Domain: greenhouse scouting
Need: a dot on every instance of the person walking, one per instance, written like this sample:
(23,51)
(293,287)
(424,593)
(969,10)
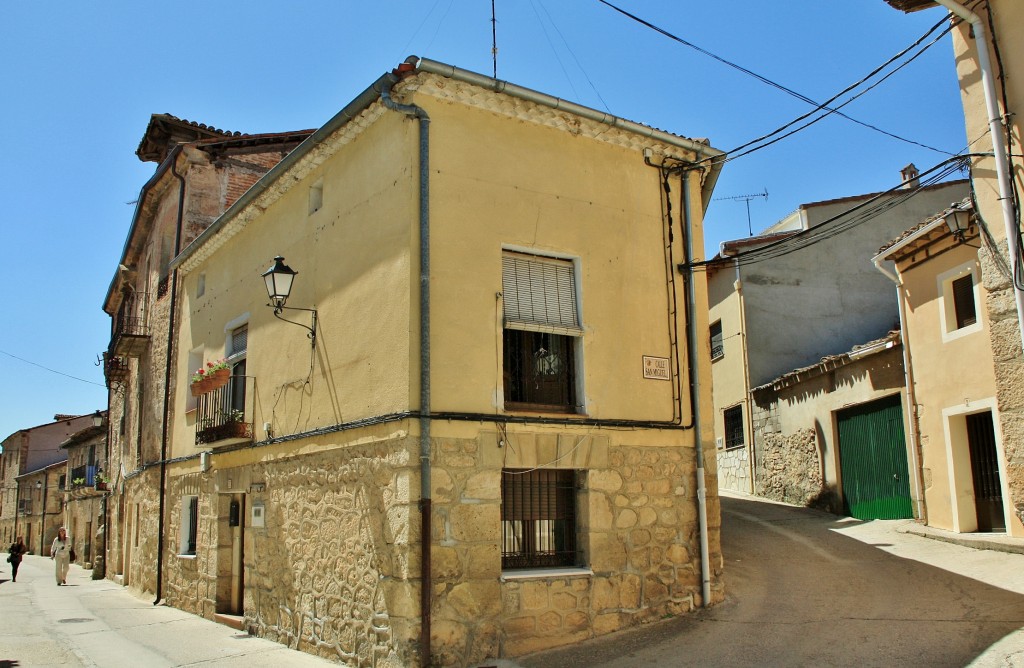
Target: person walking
(60,552)
(15,553)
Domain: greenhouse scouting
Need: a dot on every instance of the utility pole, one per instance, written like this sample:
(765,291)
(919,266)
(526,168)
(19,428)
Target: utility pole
(746,198)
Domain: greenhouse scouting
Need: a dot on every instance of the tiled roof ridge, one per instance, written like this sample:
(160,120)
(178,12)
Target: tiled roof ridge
(963,204)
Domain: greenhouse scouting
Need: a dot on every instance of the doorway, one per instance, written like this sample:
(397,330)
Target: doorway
(873,461)
(988,486)
(230,554)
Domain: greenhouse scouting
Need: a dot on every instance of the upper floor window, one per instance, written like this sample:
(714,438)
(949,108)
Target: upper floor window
(964,311)
(733,419)
(542,332)
(958,301)
(717,349)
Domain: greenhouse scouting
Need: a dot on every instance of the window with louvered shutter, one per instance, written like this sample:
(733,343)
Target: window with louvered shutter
(542,325)
(539,294)
(963,301)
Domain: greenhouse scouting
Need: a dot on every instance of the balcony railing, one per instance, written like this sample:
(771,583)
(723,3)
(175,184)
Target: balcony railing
(115,369)
(225,414)
(83,476)
(130,334)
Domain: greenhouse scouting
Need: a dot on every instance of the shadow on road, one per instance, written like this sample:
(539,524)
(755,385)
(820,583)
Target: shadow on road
(800,593)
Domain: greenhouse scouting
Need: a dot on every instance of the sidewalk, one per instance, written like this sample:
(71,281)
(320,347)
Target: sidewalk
(98,623)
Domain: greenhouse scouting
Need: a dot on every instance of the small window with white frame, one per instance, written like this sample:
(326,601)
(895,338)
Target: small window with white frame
(959,297)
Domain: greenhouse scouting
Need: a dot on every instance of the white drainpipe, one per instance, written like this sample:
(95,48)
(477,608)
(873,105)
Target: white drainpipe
(998,147)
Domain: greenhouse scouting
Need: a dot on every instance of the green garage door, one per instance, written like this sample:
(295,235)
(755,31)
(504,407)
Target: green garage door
(873,457)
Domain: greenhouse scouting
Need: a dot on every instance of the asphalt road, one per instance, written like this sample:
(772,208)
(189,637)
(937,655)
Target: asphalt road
(802,592)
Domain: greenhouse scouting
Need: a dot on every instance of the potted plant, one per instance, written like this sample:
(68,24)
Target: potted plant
(100,482)
(218,372)
(77,482)
(199,382)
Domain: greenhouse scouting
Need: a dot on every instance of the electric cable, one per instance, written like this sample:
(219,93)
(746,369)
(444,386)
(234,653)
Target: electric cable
(45,368)
(767,81)
(861,213)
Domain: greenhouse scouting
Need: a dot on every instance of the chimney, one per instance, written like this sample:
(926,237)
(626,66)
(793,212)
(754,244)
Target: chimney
(909,177)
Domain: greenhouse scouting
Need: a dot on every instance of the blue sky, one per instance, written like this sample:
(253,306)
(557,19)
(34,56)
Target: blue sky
(80,81)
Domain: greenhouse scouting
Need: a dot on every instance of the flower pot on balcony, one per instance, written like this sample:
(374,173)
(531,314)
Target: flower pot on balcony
(219,378)
(101,486)
(197,388)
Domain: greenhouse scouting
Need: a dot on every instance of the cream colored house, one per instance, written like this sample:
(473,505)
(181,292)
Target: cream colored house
(803,290)
(484,384)
(989,58)
(957,442)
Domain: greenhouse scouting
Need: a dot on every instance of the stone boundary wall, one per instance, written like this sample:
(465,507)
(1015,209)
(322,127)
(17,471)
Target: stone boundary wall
(734,470)
(788,467)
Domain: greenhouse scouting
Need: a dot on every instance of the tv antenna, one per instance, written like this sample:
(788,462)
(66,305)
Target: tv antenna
(746,198)
(494,40)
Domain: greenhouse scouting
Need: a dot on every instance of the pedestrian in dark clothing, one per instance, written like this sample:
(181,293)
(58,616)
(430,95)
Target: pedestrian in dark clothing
(16,551)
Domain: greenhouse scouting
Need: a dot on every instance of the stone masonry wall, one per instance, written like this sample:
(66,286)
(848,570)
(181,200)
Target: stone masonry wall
(638,521)
(1009,367)
(335,571)
(331,572)
(734,469)
(142,493)
(788,466)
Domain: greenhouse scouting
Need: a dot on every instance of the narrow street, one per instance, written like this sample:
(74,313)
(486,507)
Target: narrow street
(809,588)
(97,623)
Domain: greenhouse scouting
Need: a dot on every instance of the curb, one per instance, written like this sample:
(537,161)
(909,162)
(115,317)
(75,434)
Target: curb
(978,541)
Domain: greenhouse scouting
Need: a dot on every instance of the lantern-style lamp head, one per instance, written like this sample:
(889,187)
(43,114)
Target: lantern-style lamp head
(958,220)
(279,283)
(97,419)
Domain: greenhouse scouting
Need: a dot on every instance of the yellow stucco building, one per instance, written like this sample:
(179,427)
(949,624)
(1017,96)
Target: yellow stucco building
(490,388)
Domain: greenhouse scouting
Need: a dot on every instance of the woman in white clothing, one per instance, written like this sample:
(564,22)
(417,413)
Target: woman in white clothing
(60,552)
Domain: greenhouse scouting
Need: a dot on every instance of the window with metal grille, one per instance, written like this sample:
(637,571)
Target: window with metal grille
(717,349)
(189,524)
(538,518)
(963,301)
(733,426)
(542,327)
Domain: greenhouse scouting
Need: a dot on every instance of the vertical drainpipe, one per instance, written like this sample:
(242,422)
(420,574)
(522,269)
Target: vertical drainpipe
(425,494)
(691,342)
(995,127)
(167,381)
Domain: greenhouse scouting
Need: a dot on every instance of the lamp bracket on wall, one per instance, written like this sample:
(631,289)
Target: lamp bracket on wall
(311,330)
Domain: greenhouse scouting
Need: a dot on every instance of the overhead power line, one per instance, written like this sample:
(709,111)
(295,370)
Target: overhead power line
(769,82)
(59,373)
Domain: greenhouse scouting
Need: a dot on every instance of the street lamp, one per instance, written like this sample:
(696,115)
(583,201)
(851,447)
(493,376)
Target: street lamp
(279,279)
(97,419)
(958,220)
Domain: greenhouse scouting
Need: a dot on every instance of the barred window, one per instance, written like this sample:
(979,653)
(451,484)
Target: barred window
(733,426)
(538,518)
(189,524)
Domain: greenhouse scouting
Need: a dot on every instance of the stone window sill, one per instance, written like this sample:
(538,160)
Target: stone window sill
(541,573)
(186,556)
